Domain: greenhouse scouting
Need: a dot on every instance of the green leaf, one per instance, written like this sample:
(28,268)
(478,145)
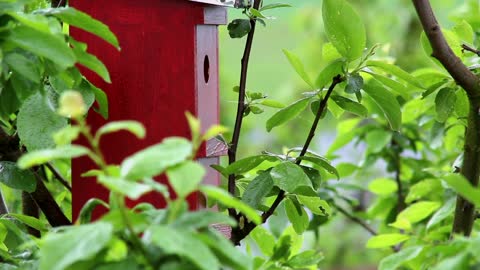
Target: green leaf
(382,186)
(185,244)
(286,114)
(354,83)
(464,31)
(85,215)
(322,162)
(24,66)
(297,215)
(256,109)
(377,140)
(155,159)
(298,66)
(396,260)
(463,187)
(462,104)
(395,71)
(316,205)
(460,261)
(100,97)
(329,72)
(274,6)
(79,243)
(395,86)
(31,222)
(43,156)
(14,177)
(418,211)
(185,177)
(226,199)
(445,103)
(344,28)
(305,259)
(134,127)
(43,44)
(387,103)
(239,28)
(386,240)
(246,164)
(132,190)
(37,123)
(423,188)
(288,176)
(272,103)
(214,131)
(202,219)
(225,251)
(264,239)
(90,61)
(350,105)
(83,21)
(257,189)
(66,135)
(444,212)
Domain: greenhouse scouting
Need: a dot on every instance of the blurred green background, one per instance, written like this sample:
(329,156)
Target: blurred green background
(392,24)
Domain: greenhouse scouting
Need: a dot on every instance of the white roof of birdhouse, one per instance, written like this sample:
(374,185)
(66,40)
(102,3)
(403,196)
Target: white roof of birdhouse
(229,3)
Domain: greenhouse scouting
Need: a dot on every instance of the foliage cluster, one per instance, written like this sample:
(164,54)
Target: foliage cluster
(420,123)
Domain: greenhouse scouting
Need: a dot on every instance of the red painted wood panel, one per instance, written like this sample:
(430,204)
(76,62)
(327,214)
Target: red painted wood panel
(153,78)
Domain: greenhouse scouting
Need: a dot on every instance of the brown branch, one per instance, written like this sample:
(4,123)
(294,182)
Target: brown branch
(232,150)
(240,233)
(48,205)
(442,51)
(465,47)
(30,208)
(464,211)
(58,176)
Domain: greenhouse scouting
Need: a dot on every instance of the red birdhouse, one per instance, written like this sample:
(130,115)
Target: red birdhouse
(168,65)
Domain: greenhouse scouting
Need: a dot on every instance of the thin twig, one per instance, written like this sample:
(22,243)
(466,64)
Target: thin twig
(321,109)
(240,233)
(465,47)
(232,150)
(364,225)
(58,176)
(356,220)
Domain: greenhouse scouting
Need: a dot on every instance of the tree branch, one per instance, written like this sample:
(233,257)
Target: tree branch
(48,205)
(465,47)
(321,109)
(465,211)
(233,146)
(356,220)
(240,233)
(442,51)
